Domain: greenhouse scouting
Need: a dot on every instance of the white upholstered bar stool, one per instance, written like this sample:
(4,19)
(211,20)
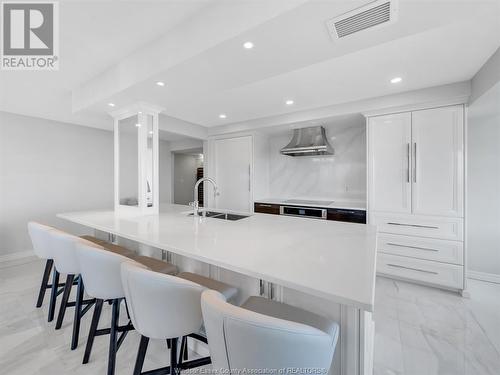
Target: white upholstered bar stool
(40,238)
(266,335)
(63,247)
(100,270)
(167,308)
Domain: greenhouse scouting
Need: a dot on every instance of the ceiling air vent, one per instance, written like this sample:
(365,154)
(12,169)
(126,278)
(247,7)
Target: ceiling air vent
(375,14)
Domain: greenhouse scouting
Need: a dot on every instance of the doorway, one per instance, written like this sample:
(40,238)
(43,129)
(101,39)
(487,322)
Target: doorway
(187,169)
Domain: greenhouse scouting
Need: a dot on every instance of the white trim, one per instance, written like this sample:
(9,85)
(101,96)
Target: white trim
(17,255)
(447,102)
(484,276)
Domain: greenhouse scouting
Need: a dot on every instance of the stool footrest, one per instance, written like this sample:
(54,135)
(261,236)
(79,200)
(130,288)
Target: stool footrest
(87,308)
(107,331)
(84,302)
(195,363)
(183,366)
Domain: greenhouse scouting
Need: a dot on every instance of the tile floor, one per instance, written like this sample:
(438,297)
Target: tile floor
(419,331)
(426,331)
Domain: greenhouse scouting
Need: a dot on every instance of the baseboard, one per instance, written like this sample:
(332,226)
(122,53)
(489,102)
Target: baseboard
(17,255)
(484,276)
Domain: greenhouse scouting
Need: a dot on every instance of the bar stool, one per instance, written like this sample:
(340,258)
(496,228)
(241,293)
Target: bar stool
(100,270)
(64,253)
(264,334)
(39,234)
(167,308)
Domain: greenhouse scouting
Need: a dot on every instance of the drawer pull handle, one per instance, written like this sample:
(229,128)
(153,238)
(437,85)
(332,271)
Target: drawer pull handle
(411,268)
(414,225)
(264,205)
(411,247)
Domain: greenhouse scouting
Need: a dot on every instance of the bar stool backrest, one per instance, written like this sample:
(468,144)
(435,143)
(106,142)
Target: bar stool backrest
(242,339)
(161,306)
(100,270)
(39,234)
(64,251)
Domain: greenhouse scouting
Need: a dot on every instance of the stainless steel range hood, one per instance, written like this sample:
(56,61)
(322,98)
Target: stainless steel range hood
(308,142)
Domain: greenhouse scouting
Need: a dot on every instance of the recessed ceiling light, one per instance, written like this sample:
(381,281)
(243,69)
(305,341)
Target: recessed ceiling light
(111,104)
(138,125)
(160,83)
(396,80)
(248,45)
(289,102)
(151,132)
(222,115)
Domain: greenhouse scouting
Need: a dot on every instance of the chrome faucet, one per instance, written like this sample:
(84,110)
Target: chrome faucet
(195,203)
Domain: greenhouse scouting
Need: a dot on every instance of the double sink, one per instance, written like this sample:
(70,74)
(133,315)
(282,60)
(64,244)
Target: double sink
(220,215)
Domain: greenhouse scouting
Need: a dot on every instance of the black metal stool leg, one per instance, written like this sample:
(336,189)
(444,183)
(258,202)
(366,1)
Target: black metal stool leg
(183,356)
(93,329)
(64,300)
(45,282)
(53,294)
(115,315)
(174,368)
(78,314)
(141,355)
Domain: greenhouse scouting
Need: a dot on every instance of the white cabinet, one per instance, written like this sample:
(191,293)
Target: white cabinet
(416,194)
(389,142)
(416,162)
(437,136)
(232,170)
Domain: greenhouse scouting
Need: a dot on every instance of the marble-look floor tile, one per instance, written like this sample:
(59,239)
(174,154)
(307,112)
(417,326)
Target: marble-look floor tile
(440,332)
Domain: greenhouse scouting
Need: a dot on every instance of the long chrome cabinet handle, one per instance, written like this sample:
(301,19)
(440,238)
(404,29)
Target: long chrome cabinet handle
(413,225)
(411,247)
(412,269)
(415,162)
(408,162)
(263,205)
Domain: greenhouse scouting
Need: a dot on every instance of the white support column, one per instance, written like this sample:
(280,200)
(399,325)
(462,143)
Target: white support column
(136,130)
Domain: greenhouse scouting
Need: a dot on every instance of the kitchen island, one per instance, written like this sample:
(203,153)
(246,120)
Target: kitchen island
(323,266)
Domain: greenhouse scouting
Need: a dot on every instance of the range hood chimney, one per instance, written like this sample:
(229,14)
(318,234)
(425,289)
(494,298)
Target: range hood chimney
(308,142)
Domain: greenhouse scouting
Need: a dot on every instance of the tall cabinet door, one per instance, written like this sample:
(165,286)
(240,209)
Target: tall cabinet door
(389,163)
(438,161)
(233,167)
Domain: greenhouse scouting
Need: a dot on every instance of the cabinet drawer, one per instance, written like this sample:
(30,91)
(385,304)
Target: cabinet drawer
(446,228)
(267,208)
(422,248)
(441,274)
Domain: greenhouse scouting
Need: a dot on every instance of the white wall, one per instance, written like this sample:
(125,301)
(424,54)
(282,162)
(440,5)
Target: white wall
(484,183)
(185,166)
(339,177)
(48,167)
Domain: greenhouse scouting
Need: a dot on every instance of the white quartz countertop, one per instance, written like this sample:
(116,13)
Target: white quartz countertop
(343,204)
(328,259)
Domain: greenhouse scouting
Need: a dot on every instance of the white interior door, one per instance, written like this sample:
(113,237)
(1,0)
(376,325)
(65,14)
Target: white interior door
(438,161)
(233,168)
(389,163)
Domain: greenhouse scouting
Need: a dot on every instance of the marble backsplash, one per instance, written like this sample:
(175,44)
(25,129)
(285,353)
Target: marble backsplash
(338,177)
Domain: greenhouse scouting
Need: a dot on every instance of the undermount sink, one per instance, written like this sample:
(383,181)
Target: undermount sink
(220,215)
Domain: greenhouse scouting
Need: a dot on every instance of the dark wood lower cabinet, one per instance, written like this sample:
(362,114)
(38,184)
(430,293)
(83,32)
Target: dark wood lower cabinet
(265,208)
(351,216)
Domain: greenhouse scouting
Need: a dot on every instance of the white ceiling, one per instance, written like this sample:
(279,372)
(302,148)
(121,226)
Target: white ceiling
(432,43)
